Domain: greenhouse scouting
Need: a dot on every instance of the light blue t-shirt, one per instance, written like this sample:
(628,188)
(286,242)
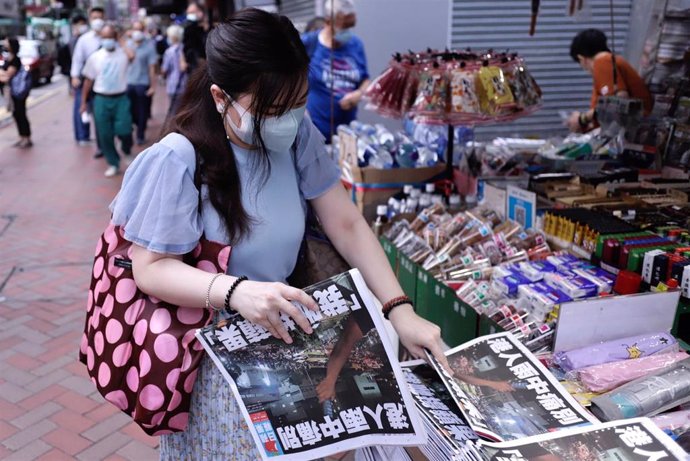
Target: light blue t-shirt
(158,203)
(145,56)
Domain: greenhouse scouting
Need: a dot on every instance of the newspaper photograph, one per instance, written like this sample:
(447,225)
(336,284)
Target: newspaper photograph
(626,440)
(435,402)
(450,438)
(505,393)
(337,389)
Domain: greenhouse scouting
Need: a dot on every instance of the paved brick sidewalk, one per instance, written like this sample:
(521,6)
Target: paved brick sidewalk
(53,205)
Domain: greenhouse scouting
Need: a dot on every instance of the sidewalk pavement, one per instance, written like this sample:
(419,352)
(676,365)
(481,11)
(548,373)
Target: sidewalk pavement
(53,206)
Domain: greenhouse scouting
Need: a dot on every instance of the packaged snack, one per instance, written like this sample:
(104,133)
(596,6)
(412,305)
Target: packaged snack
(432,92)
(463,91)
(495,96)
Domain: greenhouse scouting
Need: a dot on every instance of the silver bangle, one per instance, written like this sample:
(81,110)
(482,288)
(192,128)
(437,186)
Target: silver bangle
(208,293)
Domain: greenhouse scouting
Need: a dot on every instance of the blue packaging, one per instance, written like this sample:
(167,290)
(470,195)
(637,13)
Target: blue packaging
(575,287)
(508,286)
(534,270)
(602,279)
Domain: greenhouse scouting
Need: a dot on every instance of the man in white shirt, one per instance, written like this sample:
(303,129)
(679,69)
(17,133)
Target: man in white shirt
(106,73)
(85,46)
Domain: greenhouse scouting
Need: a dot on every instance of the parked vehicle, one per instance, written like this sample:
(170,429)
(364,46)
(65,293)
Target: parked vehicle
(38,58)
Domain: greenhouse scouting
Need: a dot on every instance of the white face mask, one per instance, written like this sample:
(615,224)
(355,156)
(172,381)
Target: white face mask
(97,24)
(137,36)
(82,29)
(278,133)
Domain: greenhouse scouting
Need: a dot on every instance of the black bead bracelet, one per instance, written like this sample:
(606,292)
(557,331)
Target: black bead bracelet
(232,290)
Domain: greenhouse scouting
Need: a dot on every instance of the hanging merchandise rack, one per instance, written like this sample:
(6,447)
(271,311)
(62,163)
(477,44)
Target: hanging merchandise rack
(455,88)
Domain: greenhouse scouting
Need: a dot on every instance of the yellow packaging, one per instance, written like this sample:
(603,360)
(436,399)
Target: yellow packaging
(493,90)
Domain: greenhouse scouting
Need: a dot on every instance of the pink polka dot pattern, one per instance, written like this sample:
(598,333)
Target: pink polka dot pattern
(113,331)
(99,344)
(103,374)
(207,266)
(108,305)
(133,379)
(83,344)
(189,315)
(122,354)
(172,378)
(141,352)
(89,302)
(98,267)
(224,257)
(134,311)
(175,401)
(151,397)
(117,398)
(189,382)
(89,358)
(144,364)
(125,291)
(166,348)
(179,421)
(140,332)
(160,321)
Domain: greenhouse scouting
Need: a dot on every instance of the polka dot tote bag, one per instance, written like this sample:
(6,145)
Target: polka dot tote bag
(141,352)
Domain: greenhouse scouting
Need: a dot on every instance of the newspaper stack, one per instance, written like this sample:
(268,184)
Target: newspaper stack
(501,404)
(338,389)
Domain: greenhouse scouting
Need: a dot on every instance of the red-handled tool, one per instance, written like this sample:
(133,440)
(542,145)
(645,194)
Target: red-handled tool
(535,12)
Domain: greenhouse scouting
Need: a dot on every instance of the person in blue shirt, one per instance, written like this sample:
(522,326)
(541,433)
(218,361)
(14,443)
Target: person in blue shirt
(141,77)
(348,77)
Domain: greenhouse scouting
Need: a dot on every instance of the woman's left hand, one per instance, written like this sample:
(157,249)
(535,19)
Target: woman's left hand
(417,334)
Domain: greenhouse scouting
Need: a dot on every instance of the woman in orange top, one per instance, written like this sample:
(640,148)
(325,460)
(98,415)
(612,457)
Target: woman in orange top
(589,49)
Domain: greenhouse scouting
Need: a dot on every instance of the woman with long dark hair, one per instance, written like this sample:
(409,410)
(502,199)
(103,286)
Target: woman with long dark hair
(257,157)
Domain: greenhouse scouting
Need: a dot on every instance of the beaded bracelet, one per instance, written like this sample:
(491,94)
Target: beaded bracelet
(232,290)
(393,303)
(208,293)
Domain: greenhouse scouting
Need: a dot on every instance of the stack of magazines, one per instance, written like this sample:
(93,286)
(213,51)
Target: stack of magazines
(340,388)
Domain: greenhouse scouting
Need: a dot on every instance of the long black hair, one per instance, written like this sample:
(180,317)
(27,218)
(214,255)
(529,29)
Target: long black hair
(252,52)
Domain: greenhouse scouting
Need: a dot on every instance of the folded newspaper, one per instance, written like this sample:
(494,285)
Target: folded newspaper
(500,391)
(505,393)
(337,389)
(626,440)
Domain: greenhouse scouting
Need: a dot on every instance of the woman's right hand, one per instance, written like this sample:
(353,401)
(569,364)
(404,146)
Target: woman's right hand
(263,302)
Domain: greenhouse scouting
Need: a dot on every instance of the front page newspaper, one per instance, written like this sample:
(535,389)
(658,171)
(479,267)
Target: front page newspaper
(629,440)
(505,393)
(337,389)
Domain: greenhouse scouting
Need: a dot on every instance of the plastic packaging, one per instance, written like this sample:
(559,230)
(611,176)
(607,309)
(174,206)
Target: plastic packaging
(675,422)
(494,93)
(646,396)
(611,351)
(604,377)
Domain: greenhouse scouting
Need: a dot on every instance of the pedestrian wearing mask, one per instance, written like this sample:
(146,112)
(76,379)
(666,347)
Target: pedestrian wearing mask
(11,70)
(106,73)
(350,76)
(141,77)
(175,75)
(194,41)
(241,131)
(87,44)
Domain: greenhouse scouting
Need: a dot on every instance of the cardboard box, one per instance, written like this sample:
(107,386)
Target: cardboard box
(370,187)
